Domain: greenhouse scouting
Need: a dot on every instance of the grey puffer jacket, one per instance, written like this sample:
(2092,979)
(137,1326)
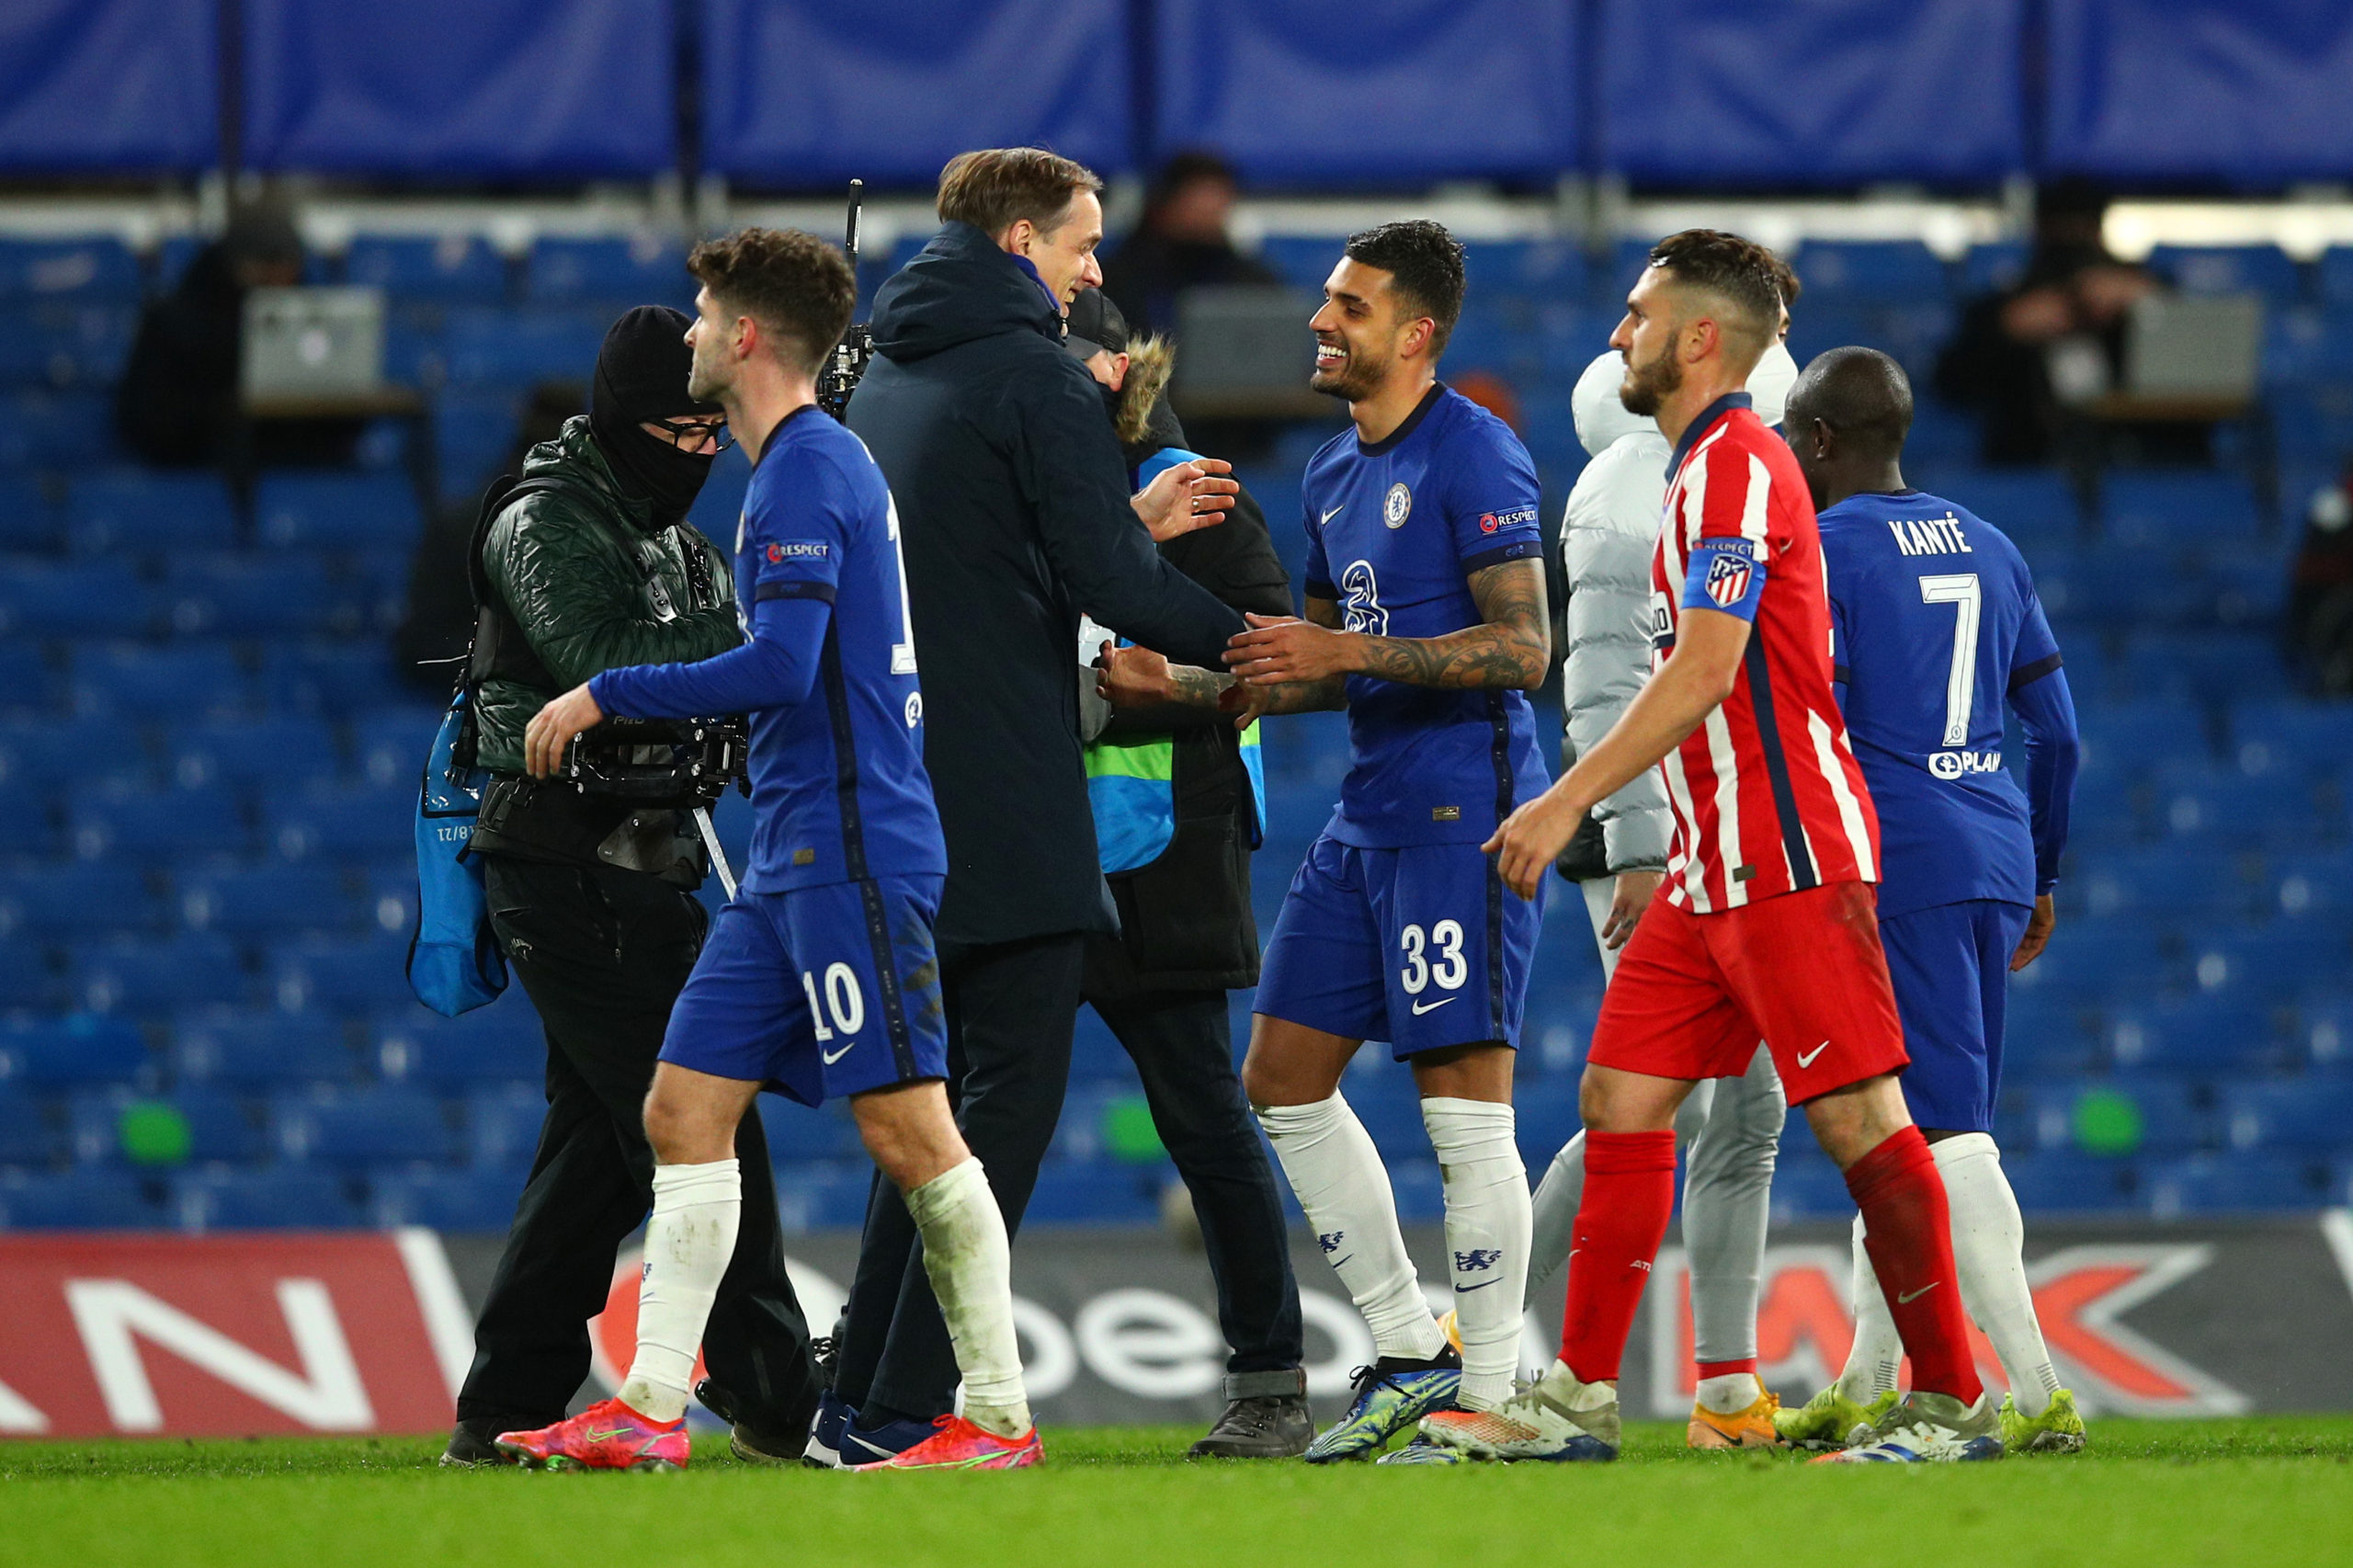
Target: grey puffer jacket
(1606,540)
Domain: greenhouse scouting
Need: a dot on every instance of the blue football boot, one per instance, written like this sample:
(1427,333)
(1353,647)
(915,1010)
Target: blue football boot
(827,1431)
(862,1444)
(1391,1395)
(1928,1428)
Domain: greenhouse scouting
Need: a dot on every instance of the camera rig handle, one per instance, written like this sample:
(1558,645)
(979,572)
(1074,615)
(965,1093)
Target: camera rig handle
(847,362)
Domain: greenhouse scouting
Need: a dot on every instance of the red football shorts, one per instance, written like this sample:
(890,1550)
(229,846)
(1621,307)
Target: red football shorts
(1804,972)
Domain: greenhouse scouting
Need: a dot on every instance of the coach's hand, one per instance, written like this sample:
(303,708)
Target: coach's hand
(1280,648)
(553,727)
(2038,934)
(1246,704)
(1132,677)
(1532,837)
(1628,899)
(1185,496)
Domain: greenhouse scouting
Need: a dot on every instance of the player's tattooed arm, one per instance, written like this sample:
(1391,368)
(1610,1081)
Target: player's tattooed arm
(1148,693)
(1248,698)
(1511,647)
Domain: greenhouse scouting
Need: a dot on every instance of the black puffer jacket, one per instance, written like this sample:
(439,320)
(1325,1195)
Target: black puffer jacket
(1012,501)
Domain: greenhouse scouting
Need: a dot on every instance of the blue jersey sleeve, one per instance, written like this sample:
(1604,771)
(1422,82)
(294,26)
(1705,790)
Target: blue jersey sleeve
(795,529)
(2046,710)
(1316,578)
(1725,574)
(1492,498)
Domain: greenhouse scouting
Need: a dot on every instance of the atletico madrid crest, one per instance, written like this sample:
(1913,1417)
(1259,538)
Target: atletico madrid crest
(1728,580)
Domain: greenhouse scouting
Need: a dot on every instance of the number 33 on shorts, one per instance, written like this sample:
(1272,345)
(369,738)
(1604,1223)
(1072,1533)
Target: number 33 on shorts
(842,1001)
(1435,956)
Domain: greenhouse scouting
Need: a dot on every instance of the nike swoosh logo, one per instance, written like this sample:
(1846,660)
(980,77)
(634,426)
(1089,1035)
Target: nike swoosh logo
(1466,1290)
(1421,1008)
(604,1436)
(1342,1263)
(833,1056)
(1805,1058)
(1333,512)
(1905,1300)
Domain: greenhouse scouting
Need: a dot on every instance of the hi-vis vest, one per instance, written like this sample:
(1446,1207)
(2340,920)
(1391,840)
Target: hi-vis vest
(1131,781)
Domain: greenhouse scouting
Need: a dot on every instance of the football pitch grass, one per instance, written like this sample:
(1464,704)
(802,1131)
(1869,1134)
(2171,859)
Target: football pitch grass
(2267,1491)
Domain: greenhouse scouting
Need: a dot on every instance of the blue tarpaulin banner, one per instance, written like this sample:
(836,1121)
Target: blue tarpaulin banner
(1380,92)
(460,88)
(2254,91)
(124,85)
(1811,92)
(798,92)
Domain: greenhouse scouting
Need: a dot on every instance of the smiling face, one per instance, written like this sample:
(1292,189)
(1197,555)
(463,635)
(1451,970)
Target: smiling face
(1065,256)
(1361,332)
(1650,338)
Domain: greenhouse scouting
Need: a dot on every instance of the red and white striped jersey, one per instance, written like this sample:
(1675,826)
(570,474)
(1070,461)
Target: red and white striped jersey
(1767,795)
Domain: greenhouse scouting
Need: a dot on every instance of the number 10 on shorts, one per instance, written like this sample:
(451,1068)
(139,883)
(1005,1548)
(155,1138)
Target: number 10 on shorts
(843,1000)
(1449,969)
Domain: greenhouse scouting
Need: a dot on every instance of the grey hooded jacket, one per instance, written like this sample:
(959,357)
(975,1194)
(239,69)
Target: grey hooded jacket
(1606,542)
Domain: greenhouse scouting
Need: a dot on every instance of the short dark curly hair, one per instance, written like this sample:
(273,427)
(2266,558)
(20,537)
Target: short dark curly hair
(1424,267)
(1739,271)
(799,288)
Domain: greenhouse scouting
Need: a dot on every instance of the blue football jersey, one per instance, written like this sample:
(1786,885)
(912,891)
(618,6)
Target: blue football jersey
(1394,531)
(1935,623)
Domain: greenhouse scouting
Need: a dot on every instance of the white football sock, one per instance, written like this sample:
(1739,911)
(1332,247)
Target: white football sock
(1487,1236)
(1878,1352)
(970,1262)
(1342,1185)
(689,1243)
(1988,1239)
(1731,1393)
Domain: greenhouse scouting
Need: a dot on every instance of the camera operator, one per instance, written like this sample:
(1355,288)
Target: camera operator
(1176,797)
(592,897)
(1014,514)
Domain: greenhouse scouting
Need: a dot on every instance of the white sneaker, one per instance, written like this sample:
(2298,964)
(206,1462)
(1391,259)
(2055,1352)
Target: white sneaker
(1547,1420)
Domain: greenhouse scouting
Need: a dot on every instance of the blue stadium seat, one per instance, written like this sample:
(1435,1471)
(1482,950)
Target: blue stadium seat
(65,902)
(261,1050)
(2306,351)
(2033,506)
(146,978)
(2235,1184)
(325,819)
(720,501)
(2327,1031)
(27,520)
(28,825)
(2172,1117)
(450,268)
(352,975)
(2336,276)
(2296,1115)
(1387,1103)
(2045,1035)
(795,1132)
(329,678)
(2170,880)
(2230,269)
(1095,1193)
(523,348)
(2129,955)
(1303,261)
(2205,666)
(144,827)
(503,1124)
(366,1127)
(1544,1117)
(69,752)
(498,1044)
(145,680)
(64,343)
(80,1048)
(823,1195)
(390,745)
(649,269)
(82,598)
(252,752)
(134,511)
(258,596)
(90,267)
(337,509)
(2062,1181)
(2317,736)
(2177,509)
(1806,1185)
(2141,734)
(2218,804)
(1881,271)
(2313,882)
(27,978)
(2207,1037)
(29,1134)
(2122,587)
(222,1126)
(2284,960)
(467,1202)
(55,427)
(1545,269)
(277,1197)
(78,1200)
(270,898)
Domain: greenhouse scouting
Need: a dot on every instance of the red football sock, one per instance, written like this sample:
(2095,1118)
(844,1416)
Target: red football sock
(1907,1231)
(1628,1193)
(1726,1368)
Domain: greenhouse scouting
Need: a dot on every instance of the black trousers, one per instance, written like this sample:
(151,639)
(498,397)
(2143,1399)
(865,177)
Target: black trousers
(603,953)
(1182,1042)
(1011,1008)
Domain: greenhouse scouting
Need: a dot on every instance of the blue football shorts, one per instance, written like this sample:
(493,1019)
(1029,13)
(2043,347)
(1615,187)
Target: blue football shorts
(818,993)
(1423,946)
(1950,965)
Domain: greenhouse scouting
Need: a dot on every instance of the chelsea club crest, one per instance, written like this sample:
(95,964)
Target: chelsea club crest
(1399,503)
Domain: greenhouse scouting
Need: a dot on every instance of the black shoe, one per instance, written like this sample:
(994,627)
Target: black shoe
(472,1442)
(755,1442)
(1266,1419)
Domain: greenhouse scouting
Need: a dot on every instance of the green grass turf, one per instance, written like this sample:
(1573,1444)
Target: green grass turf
(2269,1490)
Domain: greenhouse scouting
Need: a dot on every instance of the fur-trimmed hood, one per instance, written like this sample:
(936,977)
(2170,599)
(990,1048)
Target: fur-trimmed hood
(1151,361)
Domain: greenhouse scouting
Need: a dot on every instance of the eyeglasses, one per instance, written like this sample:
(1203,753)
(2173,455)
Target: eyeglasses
(688,434)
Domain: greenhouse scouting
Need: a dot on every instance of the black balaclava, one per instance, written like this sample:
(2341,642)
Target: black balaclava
(642,376)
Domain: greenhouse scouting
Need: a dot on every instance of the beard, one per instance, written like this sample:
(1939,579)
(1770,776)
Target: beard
(703,383)
(1648,386)
(1354,382)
